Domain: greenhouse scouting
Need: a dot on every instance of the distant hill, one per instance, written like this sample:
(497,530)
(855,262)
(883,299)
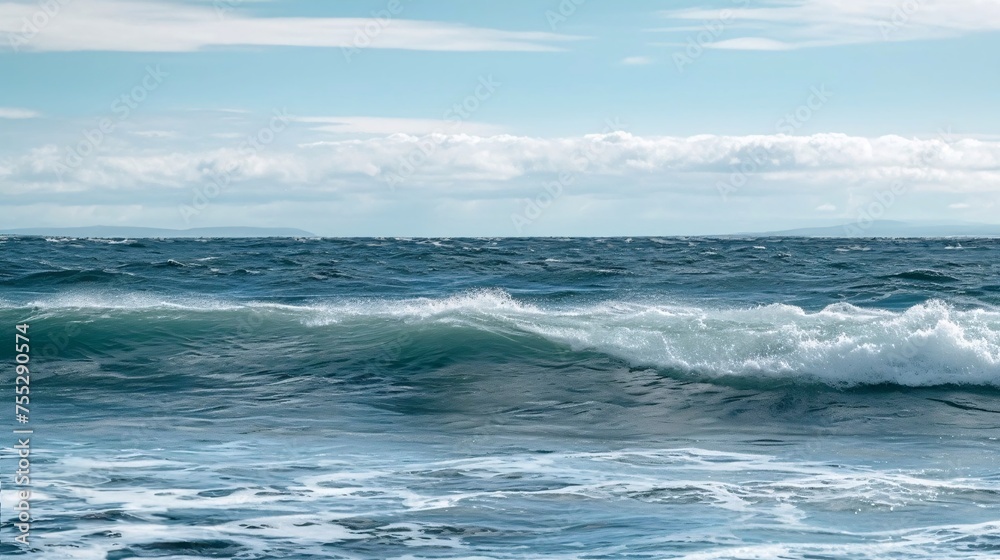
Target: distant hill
(134,232)
(888,228)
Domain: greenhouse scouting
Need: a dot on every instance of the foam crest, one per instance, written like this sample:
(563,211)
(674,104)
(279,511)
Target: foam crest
(842,345)
(116,301)
(928,344)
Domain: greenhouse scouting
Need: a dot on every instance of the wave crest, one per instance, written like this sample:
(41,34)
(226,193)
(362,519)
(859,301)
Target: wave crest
(842,345)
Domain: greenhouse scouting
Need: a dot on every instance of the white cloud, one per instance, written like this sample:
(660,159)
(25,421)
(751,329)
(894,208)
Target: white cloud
(450,184)
(158,26)
(793,24)
(959,206)
(636,60)
(617,163)
(386,126)
(16,113)
(753,44)
(155,133)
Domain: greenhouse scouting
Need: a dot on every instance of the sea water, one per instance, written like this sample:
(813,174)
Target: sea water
(506,398)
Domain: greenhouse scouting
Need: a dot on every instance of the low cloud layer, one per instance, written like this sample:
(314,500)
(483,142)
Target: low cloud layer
(464,163)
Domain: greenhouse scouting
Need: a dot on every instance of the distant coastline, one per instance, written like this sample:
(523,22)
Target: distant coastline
(143,232)
(889,228)
(874,229)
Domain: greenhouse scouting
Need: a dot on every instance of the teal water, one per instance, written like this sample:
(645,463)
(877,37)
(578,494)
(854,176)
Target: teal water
(508,398)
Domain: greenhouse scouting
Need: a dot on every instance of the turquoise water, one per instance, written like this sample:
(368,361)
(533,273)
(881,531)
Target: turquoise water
(508,398)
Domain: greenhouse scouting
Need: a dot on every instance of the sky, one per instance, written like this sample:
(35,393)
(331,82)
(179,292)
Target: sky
(457,118)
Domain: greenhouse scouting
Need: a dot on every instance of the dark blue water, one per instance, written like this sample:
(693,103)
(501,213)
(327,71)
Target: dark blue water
(508,398)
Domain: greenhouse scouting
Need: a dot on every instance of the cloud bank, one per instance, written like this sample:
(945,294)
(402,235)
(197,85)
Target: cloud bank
(458,183)
(466,163)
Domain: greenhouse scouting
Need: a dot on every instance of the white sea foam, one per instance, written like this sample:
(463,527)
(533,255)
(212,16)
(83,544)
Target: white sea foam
(435,503)
(110,241)
(928,344)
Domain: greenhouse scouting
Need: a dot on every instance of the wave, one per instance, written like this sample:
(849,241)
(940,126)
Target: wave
(66,277)
(922,276)
(842,345)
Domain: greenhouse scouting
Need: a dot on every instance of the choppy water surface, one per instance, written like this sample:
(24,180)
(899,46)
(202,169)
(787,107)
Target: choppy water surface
(509,398)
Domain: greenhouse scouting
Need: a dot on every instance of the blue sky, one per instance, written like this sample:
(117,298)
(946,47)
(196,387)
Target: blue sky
(518,118)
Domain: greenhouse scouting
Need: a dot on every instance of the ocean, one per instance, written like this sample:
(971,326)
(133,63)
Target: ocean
(620,398)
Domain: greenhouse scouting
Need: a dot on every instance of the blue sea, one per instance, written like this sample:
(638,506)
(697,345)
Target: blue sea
(621,398)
